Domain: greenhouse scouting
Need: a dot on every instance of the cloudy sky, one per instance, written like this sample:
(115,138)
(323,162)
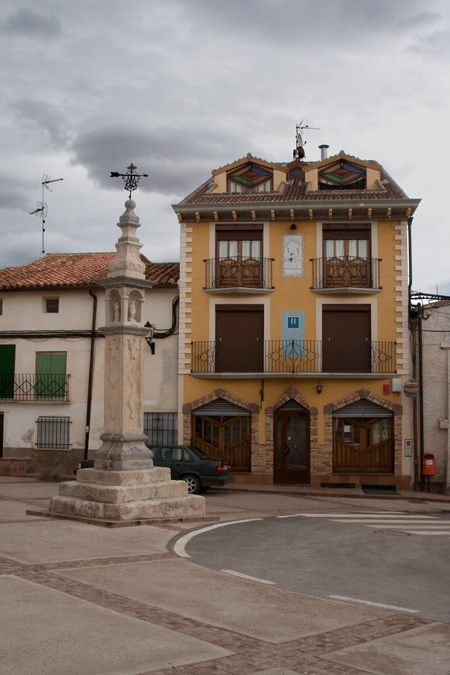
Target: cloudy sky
(181,87)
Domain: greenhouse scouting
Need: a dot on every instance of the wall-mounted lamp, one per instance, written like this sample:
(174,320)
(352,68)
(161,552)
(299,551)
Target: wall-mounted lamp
(149,337)
(293,226)
(319,388)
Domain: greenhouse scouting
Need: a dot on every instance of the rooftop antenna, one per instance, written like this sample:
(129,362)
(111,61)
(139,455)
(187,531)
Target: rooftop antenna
(42,208)
(299,151)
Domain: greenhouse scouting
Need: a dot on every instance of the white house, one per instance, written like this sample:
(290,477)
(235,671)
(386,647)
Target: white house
(52,358)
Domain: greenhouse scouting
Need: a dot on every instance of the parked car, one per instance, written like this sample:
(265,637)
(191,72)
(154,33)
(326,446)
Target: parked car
(186,463)
(193,466)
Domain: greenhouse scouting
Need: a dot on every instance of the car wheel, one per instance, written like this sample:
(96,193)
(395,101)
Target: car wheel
(194,484)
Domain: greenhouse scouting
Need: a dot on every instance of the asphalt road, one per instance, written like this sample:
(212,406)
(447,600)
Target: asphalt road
(398,559)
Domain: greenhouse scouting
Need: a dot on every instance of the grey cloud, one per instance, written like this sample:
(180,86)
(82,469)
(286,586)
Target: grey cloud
(32,23)
(176,159)
(15,196)
(46,117)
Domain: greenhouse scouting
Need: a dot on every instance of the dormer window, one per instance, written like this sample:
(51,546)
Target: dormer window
(342,176)
(250,178)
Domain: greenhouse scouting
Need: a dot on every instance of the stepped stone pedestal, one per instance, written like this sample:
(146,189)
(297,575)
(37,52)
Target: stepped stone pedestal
(124,486)
(145,494)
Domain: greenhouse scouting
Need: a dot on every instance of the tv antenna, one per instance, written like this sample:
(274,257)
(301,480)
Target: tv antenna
(42,208)
(299,151)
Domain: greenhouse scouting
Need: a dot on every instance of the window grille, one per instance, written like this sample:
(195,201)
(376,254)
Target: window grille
(53,432)
(161,428)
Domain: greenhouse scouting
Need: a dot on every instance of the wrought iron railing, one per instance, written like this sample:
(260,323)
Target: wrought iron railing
(32,387)
(345,272)
(238,272)
(293,356)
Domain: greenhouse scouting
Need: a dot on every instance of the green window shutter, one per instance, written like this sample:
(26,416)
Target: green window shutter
(7,366)
(50,375)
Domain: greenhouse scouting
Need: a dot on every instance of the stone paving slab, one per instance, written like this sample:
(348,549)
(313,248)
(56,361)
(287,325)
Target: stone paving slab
(242,606)
(60,540)
(414,652)
(43,631)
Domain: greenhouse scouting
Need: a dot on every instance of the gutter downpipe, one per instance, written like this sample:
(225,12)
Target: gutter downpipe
(422,440)
(91,375)
(414,359)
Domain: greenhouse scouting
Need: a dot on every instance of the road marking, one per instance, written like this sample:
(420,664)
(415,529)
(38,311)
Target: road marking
(389,520)
(373,604)
(180,545)
(246,576)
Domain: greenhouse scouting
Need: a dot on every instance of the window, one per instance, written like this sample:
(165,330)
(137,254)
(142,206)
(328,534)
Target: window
(250,178)
(239,256)
(161,428)
(346,255)
(342,176)
(7,366)
(52,305)
(51,379)
(53,432)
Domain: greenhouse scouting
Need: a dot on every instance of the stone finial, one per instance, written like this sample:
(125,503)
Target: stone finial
(127,262)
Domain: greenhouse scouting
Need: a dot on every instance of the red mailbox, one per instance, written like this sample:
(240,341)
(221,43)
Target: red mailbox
(428,468)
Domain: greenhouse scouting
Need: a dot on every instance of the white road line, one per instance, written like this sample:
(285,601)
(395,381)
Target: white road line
(179,548)
(387,521)
(373,604)
(413,523)
(246,576)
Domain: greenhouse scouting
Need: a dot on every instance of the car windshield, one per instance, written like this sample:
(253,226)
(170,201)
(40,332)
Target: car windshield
(199,453)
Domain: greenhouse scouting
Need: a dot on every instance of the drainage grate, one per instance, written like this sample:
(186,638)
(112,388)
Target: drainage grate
(347,486)
(379,489)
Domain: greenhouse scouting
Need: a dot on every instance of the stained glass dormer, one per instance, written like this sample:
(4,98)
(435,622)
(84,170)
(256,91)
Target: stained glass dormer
(342,176)
(250,178)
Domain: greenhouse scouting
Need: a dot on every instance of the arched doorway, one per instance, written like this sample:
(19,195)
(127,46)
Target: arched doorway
(223,430)
(363,439)
(291,444)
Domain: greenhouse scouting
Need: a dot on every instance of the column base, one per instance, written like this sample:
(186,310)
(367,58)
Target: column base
(134,495)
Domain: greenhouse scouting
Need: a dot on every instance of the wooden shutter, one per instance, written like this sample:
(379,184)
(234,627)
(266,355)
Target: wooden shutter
(346,338)
(239,338)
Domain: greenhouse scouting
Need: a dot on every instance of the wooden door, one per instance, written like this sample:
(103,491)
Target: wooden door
(291,447)
(346,334)
(363,445)
(239,338)
(1,433)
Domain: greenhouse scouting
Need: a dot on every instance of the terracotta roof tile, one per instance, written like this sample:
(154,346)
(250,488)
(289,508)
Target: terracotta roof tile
(68,270)
(296,191)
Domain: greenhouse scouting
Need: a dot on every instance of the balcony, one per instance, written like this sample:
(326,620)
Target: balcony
(346,274)
(293,357)
(239,275)
(32,387)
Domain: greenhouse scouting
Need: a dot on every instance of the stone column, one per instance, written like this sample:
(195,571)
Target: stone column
(124,485)
(123,439)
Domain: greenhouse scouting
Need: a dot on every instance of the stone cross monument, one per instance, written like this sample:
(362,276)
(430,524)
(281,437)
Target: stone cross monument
(124,485)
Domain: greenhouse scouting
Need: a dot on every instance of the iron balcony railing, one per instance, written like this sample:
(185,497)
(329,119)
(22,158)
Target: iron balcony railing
(345,272)
(293,356)
(32,387)
(238,272)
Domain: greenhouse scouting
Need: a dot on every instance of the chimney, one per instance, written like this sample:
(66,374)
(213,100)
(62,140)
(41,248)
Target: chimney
(323,151)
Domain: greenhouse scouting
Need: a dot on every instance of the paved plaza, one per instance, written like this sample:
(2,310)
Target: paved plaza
(78,598)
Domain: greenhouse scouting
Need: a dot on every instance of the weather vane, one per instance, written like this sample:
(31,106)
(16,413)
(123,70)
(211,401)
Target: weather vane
(131,179)
(42,208)
(299,151)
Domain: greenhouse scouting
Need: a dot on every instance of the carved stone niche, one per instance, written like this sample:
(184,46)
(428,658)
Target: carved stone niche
(113,306)
(135,301)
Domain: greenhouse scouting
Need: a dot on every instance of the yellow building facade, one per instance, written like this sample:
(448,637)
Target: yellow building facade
(294,325)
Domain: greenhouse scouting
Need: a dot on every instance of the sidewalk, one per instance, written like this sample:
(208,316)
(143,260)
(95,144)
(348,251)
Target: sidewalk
(78,598)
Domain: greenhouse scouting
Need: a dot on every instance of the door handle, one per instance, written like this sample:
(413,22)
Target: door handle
(288,449)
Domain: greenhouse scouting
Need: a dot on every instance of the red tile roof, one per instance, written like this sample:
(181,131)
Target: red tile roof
(295,190)
(69,270)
